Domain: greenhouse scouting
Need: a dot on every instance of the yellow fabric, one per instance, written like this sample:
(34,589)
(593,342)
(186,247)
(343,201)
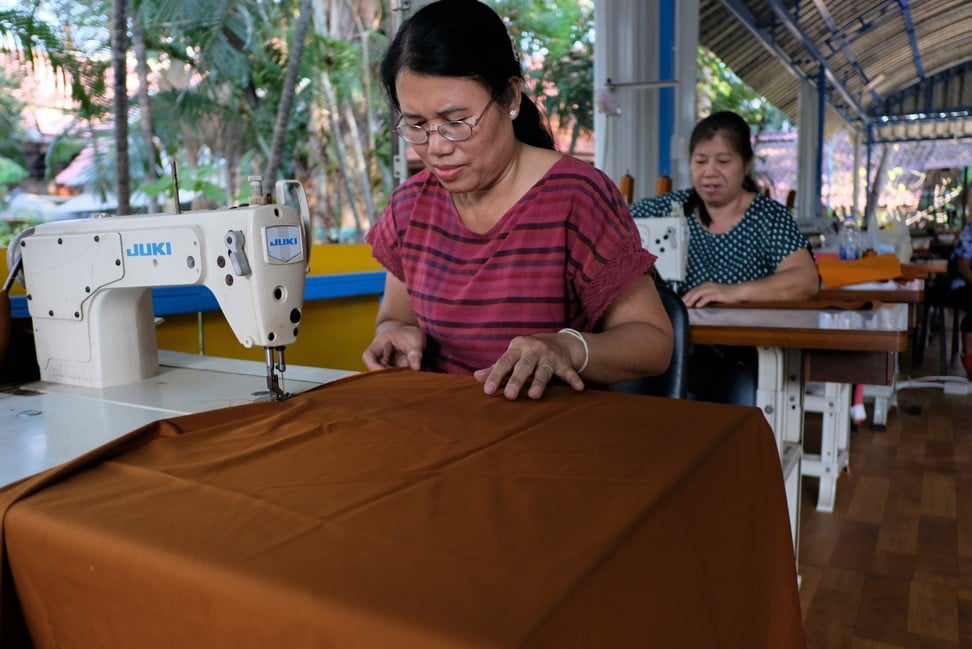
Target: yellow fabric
(835,272)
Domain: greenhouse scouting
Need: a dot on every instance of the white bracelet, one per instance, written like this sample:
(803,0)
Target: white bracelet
(587,350)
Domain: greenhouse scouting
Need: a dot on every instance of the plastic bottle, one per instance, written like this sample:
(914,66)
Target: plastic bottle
(849,240)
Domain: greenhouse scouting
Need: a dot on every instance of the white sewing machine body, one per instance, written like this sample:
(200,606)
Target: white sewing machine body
(667,237)
(88,284)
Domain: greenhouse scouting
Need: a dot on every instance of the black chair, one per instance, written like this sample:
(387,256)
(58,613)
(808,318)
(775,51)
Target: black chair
(672,383)
(938,300)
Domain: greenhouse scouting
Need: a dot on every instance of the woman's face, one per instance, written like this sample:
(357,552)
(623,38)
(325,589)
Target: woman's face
(717,171)
(471,165)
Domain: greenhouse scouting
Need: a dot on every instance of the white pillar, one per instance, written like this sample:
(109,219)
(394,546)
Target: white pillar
(808,198)
(686,71)
(626,52)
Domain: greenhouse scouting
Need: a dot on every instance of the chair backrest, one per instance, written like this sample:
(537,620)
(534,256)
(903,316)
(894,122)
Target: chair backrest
(672,383)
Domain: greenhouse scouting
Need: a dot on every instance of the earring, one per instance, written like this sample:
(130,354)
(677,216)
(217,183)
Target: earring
(513,114)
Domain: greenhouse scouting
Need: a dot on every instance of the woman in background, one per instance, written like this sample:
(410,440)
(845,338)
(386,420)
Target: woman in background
(743,247)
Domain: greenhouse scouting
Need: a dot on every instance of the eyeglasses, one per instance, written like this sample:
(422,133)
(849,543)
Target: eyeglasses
(454,130)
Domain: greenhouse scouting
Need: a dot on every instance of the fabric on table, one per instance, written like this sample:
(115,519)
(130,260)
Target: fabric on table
(873,268)
(403,509)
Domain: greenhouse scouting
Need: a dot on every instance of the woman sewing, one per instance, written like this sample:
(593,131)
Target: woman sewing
(506,259)
(743,247)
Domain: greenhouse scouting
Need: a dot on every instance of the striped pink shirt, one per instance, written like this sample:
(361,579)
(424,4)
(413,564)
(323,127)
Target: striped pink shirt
(558,258)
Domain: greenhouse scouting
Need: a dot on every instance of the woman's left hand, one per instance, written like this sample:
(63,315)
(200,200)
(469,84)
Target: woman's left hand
(534,361)
(708,292)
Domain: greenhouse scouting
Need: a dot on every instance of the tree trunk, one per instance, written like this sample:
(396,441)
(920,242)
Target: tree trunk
(342,157)
(119,52)
(874,195)
(287,93)
(145,112)
(361,164)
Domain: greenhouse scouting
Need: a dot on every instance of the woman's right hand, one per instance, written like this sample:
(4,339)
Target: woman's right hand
(399,345)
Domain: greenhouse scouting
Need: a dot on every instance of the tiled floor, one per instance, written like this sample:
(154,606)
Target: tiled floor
(891,567)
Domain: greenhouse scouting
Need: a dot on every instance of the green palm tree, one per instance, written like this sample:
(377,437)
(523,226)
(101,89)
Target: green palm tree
(25,34)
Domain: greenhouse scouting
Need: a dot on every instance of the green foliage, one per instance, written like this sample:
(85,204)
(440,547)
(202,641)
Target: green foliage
(23,32)
(60,153)
(718,88)
(10,173)
(194,179)
(10,229)
(10,121)
(556,38)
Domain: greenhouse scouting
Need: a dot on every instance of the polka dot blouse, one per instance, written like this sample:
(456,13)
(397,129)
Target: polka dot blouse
(766,235)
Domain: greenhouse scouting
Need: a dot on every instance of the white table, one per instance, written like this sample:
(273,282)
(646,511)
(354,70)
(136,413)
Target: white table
(912,293)
(781,337)
(44,424)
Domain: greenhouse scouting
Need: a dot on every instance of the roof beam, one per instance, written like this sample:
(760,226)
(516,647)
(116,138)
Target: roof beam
(910,29)
(786,19)
(845,47)
(766,40)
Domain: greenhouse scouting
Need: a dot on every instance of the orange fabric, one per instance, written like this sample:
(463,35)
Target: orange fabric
(402,509)
(835,272)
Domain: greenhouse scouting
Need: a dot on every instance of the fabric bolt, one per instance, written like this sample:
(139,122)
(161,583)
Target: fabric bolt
(766,235)
(874,268)
(558,258)
(408,509)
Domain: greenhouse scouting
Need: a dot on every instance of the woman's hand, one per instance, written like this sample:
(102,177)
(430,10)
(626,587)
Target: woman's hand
(795,279)
(708,292)
(395,345)
(534,361)
(399,342)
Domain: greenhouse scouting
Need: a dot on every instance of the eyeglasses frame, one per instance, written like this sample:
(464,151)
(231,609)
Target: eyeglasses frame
(428,131)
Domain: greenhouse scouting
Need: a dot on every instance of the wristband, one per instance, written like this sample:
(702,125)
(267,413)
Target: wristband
(587,350)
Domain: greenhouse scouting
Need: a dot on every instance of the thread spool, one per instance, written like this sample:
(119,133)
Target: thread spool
(663,185)
(627,188)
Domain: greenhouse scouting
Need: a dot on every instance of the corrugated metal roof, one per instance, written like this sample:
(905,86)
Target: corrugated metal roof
(903,67)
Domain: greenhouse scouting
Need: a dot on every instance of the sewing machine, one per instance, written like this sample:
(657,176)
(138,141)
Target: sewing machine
(667,238)
(89,281)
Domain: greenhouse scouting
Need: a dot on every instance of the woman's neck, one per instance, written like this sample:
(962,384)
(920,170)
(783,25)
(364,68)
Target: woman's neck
(725,217)
(480,210)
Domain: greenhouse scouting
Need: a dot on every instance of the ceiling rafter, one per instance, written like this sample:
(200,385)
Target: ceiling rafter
(769,42)
(912,39)
(901,62)
(787,20)
(844,47)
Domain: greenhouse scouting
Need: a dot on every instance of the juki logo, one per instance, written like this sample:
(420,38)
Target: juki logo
(160,249)
(284,243)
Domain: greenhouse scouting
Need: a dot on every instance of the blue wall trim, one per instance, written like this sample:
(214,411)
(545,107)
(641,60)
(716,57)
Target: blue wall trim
(173,300)
(666,96)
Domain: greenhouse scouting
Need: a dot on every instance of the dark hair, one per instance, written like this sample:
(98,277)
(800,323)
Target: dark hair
(733,130)
(464,38)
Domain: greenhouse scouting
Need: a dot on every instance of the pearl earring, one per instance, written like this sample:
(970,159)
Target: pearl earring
(513,114)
